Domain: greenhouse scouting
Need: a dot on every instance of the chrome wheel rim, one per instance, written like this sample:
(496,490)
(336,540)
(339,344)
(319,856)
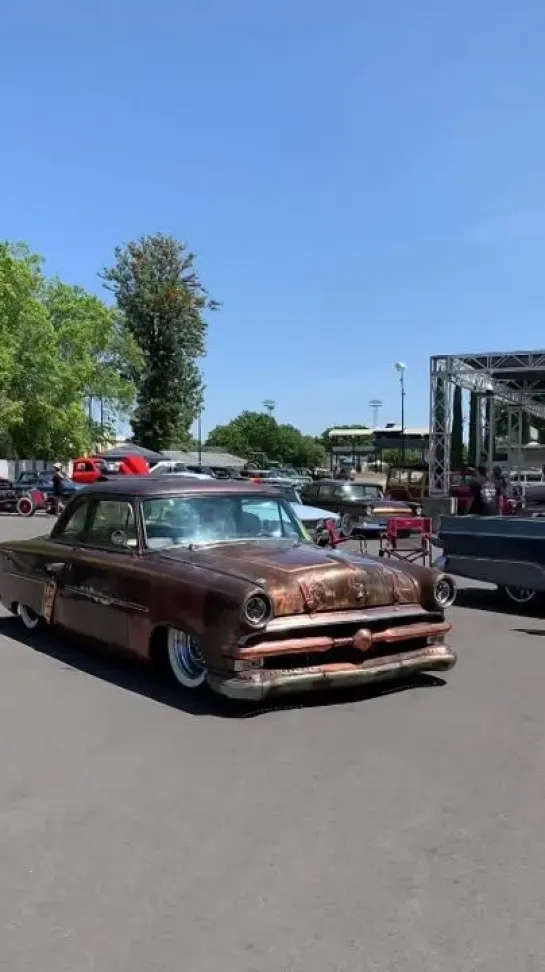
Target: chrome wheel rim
(28,617)
(186,661)
(521,595)
(443,592)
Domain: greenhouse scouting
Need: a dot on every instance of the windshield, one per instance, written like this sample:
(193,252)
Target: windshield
(189,520)
(290,494)
(363,491)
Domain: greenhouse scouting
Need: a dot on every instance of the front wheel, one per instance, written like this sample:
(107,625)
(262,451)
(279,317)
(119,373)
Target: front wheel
(30,619)
(521,596)
(185,662)
(347,525)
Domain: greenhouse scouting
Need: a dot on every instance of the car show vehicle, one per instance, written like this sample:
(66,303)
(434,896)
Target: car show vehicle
(412,484)
(217,582)
(175,469)
(532,500)
(91,469)
(311,517)
(508,551)
(20,498)
(361,505)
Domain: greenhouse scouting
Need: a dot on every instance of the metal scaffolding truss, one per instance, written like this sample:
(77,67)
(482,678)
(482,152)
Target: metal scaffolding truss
(515,379)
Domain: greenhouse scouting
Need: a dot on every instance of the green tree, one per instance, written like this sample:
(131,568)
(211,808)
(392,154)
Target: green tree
(256,432)
(457,433)
(392,457)
(61,345)
(162,299)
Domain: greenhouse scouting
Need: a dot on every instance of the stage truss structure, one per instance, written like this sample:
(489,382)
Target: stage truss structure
(514,379)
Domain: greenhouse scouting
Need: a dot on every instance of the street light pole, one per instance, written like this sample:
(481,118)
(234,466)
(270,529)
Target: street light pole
(199,435)
(401,368)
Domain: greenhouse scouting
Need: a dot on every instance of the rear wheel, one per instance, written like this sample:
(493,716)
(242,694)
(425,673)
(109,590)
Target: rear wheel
(25,506)
(520,595)
(30,619)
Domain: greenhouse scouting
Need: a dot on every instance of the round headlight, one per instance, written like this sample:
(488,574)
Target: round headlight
(444,591)
(257,610)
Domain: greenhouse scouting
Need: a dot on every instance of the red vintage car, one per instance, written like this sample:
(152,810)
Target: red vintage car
(91,469)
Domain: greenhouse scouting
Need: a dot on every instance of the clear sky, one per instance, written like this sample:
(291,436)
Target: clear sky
(362,181)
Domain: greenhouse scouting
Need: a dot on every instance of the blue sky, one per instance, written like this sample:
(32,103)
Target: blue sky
(361,181)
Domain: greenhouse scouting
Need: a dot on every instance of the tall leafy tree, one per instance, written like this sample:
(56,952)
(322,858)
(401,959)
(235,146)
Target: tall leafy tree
(58,346)
(457,434)
(163,301)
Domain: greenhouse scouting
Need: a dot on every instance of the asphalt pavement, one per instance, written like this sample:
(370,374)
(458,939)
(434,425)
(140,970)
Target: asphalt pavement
(388,831)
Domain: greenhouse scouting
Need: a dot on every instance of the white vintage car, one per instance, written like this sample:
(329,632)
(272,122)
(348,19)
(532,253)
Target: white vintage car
(309,516)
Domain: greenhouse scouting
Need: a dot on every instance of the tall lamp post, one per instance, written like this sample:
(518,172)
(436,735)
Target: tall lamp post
(401,368)
(199,434)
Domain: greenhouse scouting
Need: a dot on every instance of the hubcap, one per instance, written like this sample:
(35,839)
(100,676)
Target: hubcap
(28,617)
(520,594)
(25,507)
(186,661)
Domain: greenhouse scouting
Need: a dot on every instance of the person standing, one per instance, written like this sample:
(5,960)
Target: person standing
(483,495)
(59,478)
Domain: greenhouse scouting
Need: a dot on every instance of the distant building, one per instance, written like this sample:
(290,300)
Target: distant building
(367,445)
(208,457)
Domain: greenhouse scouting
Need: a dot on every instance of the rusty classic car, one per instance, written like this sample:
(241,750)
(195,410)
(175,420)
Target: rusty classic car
(218,582)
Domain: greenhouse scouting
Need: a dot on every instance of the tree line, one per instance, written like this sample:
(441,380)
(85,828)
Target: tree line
(72,365)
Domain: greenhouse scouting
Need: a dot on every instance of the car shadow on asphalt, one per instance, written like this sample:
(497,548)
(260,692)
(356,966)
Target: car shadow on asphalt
(143,680)
(485,599)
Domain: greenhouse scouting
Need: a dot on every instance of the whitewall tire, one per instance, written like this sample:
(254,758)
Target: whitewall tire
(28,617)
(186,664)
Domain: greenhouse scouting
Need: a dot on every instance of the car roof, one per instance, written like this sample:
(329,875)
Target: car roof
(171,486)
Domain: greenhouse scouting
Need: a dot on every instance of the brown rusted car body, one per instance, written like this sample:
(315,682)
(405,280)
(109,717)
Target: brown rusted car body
(412,484)
(335,618)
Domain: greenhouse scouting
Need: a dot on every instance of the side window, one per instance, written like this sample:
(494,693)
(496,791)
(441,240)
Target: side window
(341,492)
(325,492)
(75,525)
(113,525)
(268,519)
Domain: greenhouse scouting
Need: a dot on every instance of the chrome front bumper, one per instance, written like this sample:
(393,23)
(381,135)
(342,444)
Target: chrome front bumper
(259,684)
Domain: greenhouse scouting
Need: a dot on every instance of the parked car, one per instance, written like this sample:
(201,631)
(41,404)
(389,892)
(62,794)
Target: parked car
(91,469)
(412,484)
(216,582)
(174,468)
(508,551)
(43,481)
(362,507)
(311,517)
(20,498)
(532,502)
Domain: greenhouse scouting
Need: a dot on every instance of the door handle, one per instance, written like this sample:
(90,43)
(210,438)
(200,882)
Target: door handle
(54,569)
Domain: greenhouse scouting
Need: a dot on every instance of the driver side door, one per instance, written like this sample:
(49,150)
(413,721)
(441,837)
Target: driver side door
(96,600)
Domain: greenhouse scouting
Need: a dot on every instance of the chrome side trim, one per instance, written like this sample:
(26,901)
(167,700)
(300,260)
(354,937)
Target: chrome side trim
(104,599)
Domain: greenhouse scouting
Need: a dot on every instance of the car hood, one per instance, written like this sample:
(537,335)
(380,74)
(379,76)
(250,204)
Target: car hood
(305,513)
(303,578)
